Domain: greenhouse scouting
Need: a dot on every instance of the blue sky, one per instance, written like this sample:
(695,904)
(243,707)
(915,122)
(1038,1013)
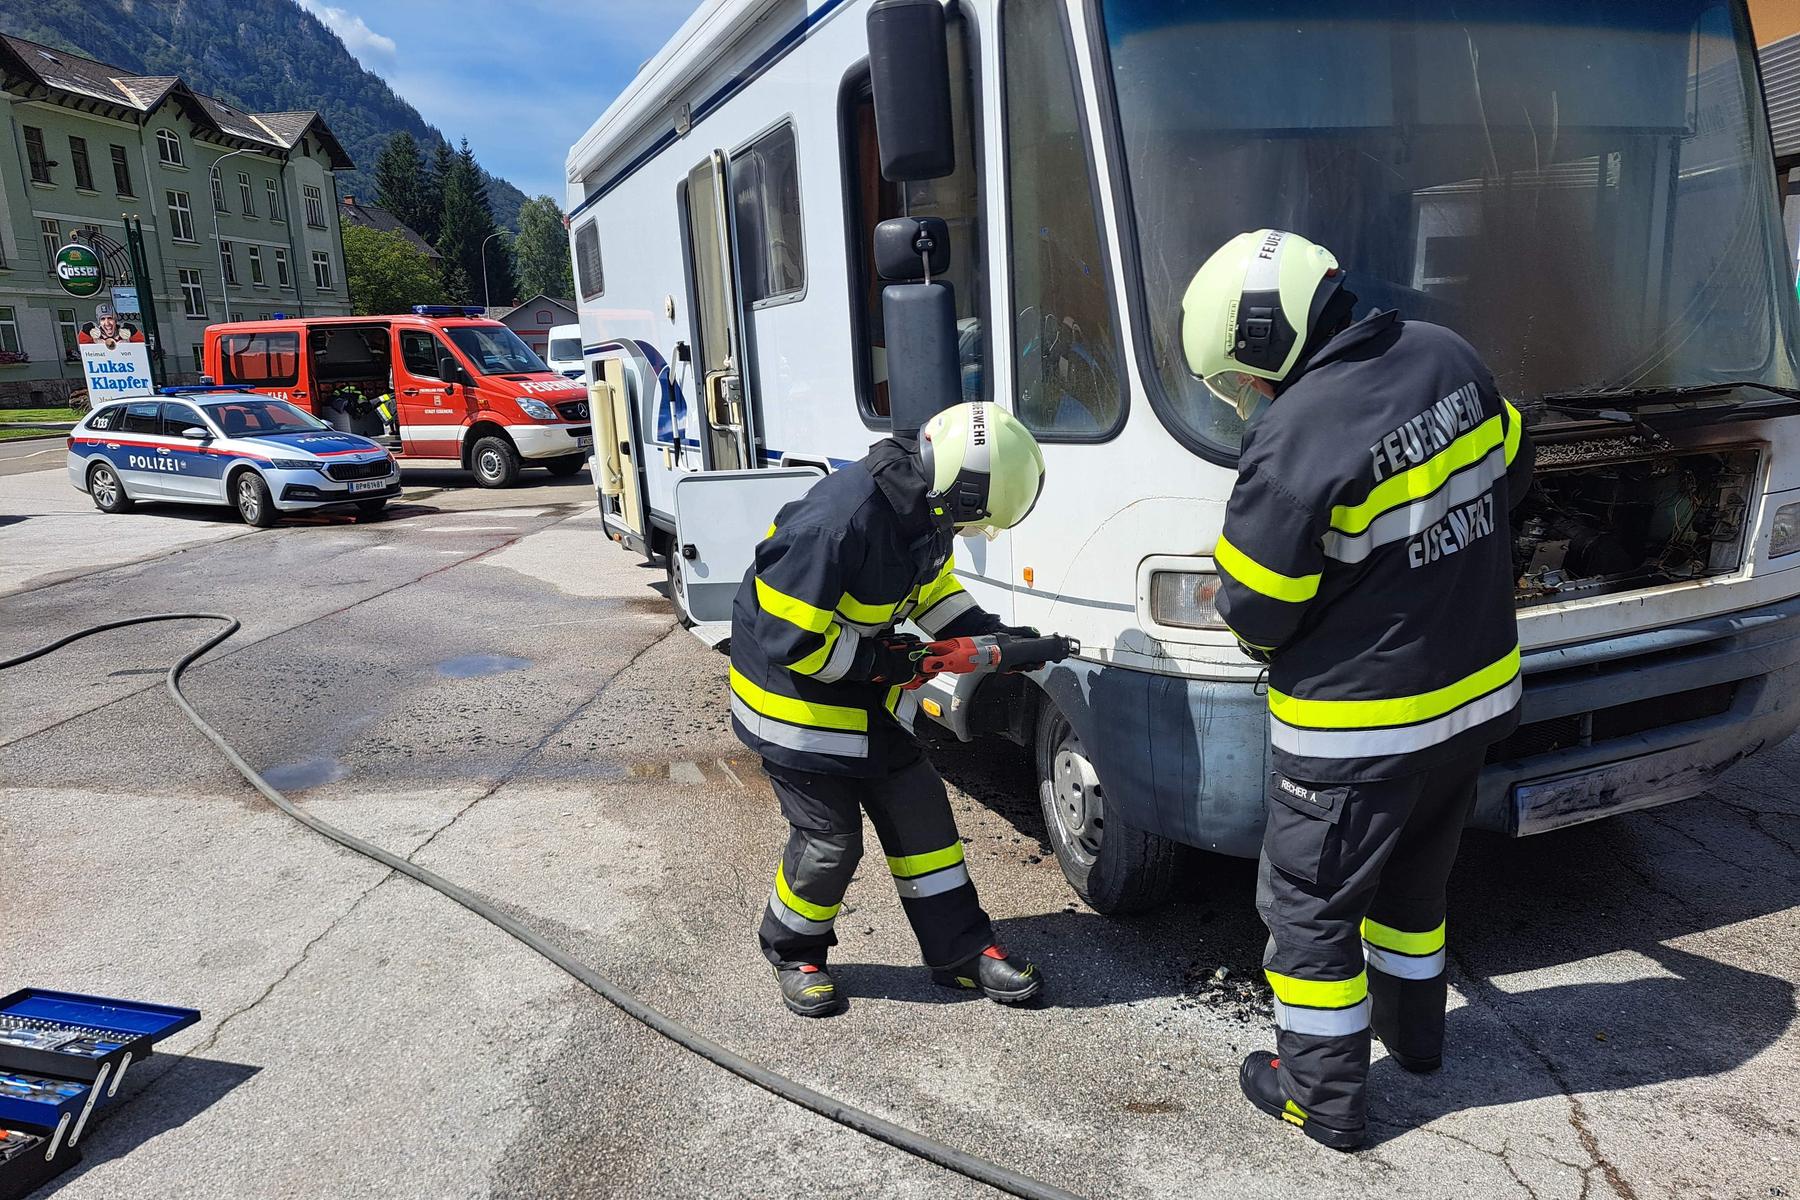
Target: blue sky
(521,80)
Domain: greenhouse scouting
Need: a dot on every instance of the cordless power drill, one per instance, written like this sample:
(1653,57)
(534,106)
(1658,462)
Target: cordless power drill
(989,653)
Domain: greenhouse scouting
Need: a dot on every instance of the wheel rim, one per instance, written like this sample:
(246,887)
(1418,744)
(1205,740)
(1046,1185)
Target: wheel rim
(491,464)
(106,487)
(249,501)
(1077,801)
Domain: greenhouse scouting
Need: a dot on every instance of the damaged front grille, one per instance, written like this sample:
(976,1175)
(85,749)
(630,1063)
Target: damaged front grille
(1620,720)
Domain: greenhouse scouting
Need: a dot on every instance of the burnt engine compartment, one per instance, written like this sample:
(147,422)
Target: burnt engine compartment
(1623,514)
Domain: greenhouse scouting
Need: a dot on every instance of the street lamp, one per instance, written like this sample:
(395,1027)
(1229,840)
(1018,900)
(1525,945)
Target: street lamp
(484,284)
(212,174)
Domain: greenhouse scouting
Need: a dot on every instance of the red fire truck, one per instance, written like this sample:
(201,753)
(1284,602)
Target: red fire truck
(440,387)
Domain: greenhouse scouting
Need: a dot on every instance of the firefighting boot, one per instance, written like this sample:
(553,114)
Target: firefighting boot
(1260,1078)
(1001,977)
(808,990)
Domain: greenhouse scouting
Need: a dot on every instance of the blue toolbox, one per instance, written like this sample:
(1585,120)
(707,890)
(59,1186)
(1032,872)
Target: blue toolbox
(60,1054)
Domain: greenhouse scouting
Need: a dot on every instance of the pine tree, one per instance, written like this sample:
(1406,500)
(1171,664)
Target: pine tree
(456,284)
(466,226)
(437,175)
(400,183)
(543,250)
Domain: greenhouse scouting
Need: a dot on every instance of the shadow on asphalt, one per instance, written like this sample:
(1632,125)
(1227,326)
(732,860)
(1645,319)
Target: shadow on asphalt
(530,481)
(169,1100)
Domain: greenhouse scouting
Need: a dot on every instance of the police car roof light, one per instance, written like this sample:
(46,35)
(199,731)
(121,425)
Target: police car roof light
(190,389)
(447,310)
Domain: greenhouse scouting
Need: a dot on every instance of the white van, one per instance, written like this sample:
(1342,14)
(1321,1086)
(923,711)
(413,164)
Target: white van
(1591,199)
(563,354)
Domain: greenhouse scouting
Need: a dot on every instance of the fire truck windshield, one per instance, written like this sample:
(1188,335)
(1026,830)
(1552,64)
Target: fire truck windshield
(1582,188)
(495,350)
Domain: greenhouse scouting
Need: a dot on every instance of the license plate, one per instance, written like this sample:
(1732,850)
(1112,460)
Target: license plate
(368,485)
(585,443)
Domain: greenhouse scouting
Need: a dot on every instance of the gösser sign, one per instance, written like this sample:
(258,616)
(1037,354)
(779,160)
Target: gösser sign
(78,270)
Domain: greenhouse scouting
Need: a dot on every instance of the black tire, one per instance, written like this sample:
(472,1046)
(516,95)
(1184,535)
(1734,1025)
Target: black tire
(250,496)
(372,508)
(495,462)
(672,564)
(1113,866)
(564,467)
(107,490)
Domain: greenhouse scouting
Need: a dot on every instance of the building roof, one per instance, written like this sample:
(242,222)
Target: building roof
(502,312)
(60,76)
(1781,92)
(373,216)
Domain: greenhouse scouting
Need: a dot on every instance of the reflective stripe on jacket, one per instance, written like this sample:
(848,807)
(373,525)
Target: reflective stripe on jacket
(847,562)
(1367,547)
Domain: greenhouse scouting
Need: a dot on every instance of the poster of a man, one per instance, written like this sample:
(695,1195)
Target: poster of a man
(107,330)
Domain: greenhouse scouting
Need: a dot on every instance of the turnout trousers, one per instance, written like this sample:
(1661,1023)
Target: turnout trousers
(1351,885)
(912,817)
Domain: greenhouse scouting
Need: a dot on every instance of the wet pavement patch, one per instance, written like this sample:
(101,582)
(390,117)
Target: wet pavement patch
(469,666)
(311,772)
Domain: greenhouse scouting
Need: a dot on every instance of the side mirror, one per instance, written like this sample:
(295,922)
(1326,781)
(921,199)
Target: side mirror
(449,370)
(909,77)
(196,433)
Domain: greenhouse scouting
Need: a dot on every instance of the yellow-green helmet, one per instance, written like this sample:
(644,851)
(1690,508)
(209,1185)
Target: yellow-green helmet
(984,467)
(1249,309)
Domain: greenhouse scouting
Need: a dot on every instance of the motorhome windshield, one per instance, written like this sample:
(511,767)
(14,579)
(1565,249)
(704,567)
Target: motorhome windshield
(1582,188)
(496,350)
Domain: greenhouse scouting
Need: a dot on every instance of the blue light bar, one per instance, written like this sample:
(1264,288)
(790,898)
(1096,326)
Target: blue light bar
(447,310)
(190,389)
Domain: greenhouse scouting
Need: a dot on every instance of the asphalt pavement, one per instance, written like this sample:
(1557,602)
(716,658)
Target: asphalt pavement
(484,683)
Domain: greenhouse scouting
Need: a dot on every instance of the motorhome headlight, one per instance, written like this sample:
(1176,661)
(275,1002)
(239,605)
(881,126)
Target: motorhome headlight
(537,410)
(296,464)
(1784,538)
(1185,599)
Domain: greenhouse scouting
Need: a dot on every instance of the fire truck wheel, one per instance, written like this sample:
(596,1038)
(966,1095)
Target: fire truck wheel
(106,489)
(495,462)
(564,467)
(1111,865)
(250,496)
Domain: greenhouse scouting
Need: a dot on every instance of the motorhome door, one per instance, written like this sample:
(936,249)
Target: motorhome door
(727,405)
(720,518)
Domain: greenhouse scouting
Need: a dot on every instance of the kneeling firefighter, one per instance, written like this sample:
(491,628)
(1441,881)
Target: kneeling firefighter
(1366,557)
(818,688)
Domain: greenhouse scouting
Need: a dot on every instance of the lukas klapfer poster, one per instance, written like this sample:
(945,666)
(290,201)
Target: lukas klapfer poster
(114,357)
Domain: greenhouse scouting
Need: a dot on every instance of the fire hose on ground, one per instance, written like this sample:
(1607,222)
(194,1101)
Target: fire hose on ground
(899,1136)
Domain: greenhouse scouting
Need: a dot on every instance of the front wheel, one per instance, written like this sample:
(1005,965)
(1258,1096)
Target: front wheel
(562,468)
(250,496)
(1113,866)
(673,565)
(495,462)
(107,490)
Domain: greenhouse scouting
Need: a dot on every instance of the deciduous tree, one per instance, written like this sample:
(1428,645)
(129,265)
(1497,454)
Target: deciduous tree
(542,250)
(386,273)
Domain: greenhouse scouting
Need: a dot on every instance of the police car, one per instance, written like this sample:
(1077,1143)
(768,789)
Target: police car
(225,445)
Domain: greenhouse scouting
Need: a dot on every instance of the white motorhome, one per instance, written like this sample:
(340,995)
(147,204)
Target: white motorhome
(1585,189)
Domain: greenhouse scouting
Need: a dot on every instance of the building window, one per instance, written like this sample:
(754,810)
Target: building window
(315,206)
(246,199)
(193,295)
(84,170)
(34,152)
(281,268)
(274,200)
(256,274)
(181,216)
(52,232)
(765,182)
(589,277)
(1067,356)
(237,314)
(121,172)
(67,328)
(9,331)
(227,262)
(199,362)
(321,262)
(218,190)
(168,148)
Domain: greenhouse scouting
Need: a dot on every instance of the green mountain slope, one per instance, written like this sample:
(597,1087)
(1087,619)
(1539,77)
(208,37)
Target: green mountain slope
(261,55)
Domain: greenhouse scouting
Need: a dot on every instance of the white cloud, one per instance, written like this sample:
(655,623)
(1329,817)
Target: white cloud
(355,33)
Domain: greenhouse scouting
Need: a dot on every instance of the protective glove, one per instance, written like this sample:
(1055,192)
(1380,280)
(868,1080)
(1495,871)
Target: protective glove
(888,660)
(1020,631)
(1256,653)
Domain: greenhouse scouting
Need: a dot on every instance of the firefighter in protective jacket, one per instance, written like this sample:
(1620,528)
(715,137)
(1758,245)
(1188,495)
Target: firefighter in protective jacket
(1366,557)
(818,679)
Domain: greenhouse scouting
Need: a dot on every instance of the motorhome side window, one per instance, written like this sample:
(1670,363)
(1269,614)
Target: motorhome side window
(263,359)
(765,185)
(587,260)
(1065,338)
(956,198)
(419,353)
